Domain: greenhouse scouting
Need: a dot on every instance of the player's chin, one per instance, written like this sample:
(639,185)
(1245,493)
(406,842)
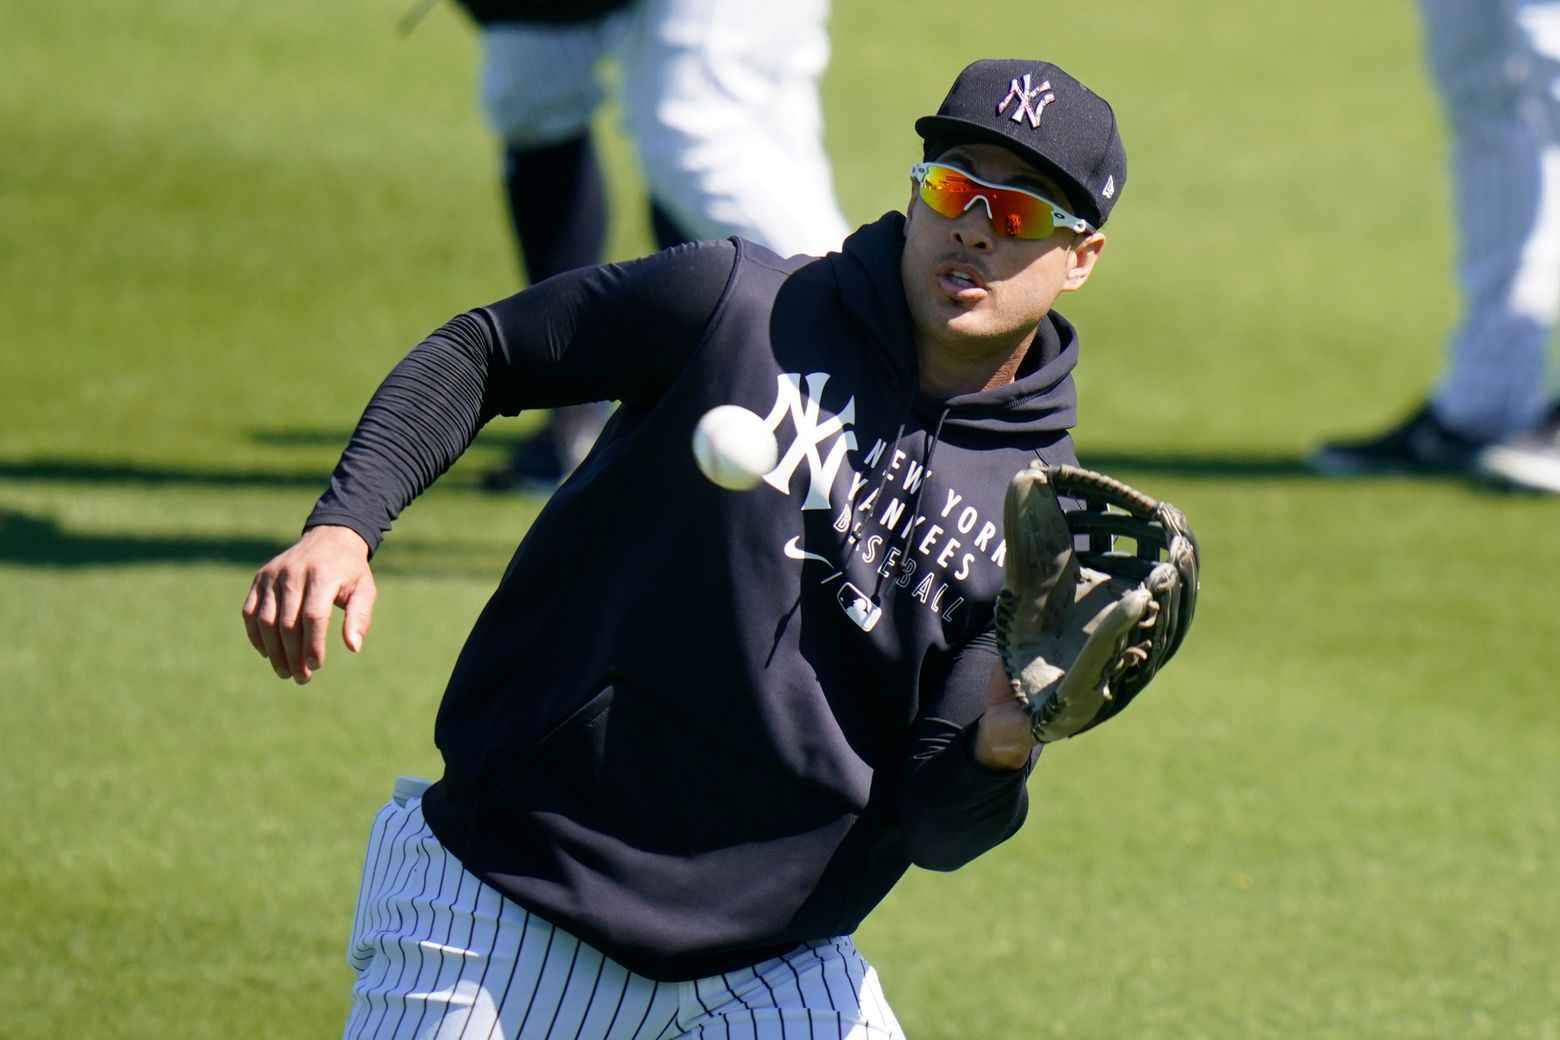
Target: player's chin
(969,322)
(953,320)
(946,309)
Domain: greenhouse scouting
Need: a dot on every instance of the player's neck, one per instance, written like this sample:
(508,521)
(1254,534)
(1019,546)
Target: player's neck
(948,370)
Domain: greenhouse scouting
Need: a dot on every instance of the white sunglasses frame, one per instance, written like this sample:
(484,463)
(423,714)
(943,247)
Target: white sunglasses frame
(1059,217)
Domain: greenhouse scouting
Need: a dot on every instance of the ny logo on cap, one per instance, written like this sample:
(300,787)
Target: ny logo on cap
(1026,98)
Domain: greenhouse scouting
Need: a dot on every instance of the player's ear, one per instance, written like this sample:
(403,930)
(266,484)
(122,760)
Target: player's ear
(1082,255)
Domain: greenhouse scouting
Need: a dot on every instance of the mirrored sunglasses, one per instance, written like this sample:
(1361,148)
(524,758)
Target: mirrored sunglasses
(1014,212)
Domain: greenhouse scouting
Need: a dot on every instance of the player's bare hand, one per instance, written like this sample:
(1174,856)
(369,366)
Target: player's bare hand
(288,609)
(1002,736)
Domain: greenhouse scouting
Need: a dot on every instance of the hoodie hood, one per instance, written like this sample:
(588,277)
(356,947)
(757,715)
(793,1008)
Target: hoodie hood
(1043,399)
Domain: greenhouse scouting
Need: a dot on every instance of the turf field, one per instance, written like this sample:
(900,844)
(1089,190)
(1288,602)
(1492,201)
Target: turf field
(220,223)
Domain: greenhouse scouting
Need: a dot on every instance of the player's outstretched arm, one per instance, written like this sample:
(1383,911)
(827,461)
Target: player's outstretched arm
(962,787)
(288,609)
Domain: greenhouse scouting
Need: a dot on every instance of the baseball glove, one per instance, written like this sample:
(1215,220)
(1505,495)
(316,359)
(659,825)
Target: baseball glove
(1082,624)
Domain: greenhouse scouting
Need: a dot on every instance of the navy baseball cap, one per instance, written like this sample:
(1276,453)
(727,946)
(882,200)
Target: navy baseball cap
(1043,115)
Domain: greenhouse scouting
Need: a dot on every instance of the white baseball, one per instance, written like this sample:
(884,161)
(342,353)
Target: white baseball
(733,447)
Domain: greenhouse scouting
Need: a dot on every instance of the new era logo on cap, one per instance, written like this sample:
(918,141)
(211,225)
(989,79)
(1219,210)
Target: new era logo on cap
(1043,115)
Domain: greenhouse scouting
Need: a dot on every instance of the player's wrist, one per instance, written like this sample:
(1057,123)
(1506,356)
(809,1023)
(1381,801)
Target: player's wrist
(1000,745)
(339,536)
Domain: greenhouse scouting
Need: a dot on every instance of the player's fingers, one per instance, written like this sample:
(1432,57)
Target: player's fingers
(358,604)
(251,621)
(289,590)
(314,622)
(266,622)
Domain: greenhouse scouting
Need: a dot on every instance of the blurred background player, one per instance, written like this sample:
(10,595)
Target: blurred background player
(721,99)
(1496,66)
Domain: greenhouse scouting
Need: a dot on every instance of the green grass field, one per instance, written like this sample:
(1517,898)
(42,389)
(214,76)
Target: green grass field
(220,224)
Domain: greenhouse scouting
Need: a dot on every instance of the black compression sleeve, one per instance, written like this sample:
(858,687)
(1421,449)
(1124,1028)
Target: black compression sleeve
(617,332)
(952,809)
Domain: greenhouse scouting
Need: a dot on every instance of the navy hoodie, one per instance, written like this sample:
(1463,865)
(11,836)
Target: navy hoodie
(696,727)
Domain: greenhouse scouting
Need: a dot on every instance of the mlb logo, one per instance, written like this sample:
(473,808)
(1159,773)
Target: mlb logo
(858,607)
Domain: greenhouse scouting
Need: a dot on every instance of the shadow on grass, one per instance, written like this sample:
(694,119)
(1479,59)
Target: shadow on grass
(83,471)
(1232,467)
(40,542)
(1210,466)
(302,438)
(135,474)
(31,541)
(105,471)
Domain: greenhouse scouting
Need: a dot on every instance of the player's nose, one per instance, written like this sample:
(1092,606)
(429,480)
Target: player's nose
(973,228)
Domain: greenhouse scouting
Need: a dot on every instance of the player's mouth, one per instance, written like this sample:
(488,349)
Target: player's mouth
(961,282)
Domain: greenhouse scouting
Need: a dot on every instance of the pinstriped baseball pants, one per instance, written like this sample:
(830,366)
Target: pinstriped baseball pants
(1496,65)
(440,954)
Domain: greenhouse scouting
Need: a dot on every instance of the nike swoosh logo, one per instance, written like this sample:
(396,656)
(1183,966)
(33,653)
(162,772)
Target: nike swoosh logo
(794,550)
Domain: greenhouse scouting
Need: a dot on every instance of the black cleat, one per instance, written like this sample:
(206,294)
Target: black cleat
(1420,444)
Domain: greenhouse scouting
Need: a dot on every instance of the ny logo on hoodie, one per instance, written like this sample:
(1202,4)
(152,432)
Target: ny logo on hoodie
(813,430)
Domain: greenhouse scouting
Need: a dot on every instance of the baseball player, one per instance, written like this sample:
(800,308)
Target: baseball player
(721,99)
(696,735)
(1496,66)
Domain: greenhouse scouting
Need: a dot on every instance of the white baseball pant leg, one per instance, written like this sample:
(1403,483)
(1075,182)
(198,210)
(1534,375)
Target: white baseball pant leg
(439,954)
(722,100)
(539,84)
(1496,64)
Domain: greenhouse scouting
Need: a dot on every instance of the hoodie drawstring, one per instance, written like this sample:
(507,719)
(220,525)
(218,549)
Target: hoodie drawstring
(920,489)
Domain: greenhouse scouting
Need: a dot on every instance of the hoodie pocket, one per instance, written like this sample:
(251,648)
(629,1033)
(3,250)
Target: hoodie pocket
(625,767)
